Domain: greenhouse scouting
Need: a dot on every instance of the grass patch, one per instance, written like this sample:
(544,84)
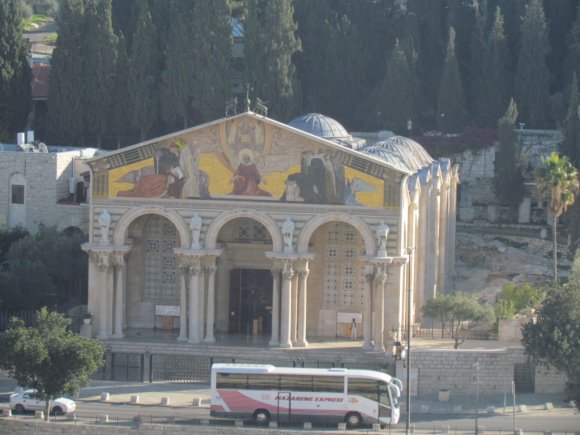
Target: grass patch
(50,39)
(35,21)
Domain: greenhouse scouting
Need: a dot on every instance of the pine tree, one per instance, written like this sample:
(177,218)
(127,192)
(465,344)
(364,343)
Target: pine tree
(144,73)
(211,37)
(508,180)
(451,102)
(496,73)
(270,43)
(176,87)
(65,104)
(532,75)
(15,93)
(98,68)
(397,99)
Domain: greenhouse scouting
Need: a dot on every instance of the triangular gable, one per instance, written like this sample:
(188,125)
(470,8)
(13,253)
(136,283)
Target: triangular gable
(243,157)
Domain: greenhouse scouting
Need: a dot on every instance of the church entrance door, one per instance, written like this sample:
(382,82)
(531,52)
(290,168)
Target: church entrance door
(250,302)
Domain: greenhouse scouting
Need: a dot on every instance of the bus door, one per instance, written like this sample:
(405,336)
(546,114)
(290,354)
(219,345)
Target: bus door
(384,401)
(284,405)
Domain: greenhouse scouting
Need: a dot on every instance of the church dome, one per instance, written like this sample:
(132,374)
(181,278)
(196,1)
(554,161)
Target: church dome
(321,126)
(400,152)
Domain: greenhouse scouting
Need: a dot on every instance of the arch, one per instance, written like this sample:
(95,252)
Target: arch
(126,220)
(317,221)
(224,218)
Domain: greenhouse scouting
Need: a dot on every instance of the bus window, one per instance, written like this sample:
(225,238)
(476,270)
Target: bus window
(328,384)
(295,383)
(263,382)
(231,381)
(384,398)
(368,388)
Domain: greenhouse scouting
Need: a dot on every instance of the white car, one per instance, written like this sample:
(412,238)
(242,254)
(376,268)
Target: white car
(28,400)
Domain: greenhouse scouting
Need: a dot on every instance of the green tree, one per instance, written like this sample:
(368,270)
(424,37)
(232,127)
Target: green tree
(144,61)
(120,105)
(15,93)
(176,87)
(496,73)
(514,298)
(49,357)
(532,75)
(554,339)
(269,45)
(65,103)
(571,127)
(99,57)
(212,51)
(556,182)
(451,102)
(397,94)
(459,310)
(508,165)
(477,81)
(572,60)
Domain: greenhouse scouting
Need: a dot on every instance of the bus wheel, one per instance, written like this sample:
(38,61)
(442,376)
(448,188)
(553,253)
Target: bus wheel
(353,419)
(261,416)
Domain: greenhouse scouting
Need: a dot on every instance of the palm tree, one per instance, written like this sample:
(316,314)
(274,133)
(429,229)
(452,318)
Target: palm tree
(557,182)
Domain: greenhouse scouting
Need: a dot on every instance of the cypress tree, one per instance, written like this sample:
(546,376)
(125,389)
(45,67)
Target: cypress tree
(65,104)
(15,93)
(120,108)
(497,75)
(532,75)
(397,93)
(477,82)
(144,73)
(98,68)
(508,180)
(211,37)
(176,87)
(571,144)
(572,61)
(451,102)
(270,43)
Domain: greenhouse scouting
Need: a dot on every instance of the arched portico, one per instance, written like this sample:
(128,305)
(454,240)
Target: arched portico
(126,219)
(264,219)
(313,224)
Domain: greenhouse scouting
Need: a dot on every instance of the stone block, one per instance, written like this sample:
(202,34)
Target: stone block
(523,409)
(104,397)
(548,406)
(104,418)
(307,425)
(165,401)
(7,412)
(72,416)
(135,398)
(239,423)
(490,410)
(444,395)
(341,426)
(196,401)
(39,414)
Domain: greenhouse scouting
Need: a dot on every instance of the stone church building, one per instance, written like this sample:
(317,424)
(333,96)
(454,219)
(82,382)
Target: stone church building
(246,225)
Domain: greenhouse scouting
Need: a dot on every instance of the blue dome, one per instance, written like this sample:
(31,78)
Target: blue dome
(321,126)
(400,152)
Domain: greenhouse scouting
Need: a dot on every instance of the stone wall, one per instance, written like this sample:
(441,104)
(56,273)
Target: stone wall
(549,380)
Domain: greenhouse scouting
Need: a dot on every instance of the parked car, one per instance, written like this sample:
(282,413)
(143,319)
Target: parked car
(29,400)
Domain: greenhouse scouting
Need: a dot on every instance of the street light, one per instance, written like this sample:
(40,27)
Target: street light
(409,125)
(476,367)
(409,252)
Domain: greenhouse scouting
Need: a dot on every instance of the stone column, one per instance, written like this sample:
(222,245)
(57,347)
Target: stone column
(432,253)
(286,306)
(201,308)
(119,313)
(275,340)
(443,217)
(368,309)
(302,298)
(379,305)
(294,311)
(452,221)
(210,315)
(194,273)
(104,267)
(183,281)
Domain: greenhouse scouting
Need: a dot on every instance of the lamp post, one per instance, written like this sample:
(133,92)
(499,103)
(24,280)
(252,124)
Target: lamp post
(409,289)
(476,366)
(409,126)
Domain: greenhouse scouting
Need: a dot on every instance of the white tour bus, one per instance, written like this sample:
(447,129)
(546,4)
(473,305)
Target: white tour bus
(264,392)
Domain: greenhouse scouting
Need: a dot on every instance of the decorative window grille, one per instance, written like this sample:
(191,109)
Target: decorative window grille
(344,280)
(161,278)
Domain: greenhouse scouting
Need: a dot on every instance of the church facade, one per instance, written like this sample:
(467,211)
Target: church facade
(246,225)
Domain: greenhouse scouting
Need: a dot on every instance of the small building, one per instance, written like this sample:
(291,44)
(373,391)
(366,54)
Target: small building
(42,184)
(246,225)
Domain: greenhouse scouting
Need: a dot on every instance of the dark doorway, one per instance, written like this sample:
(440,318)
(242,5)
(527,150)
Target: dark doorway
(250,301)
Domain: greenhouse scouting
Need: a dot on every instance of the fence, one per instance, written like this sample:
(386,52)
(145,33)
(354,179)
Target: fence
(149,367)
